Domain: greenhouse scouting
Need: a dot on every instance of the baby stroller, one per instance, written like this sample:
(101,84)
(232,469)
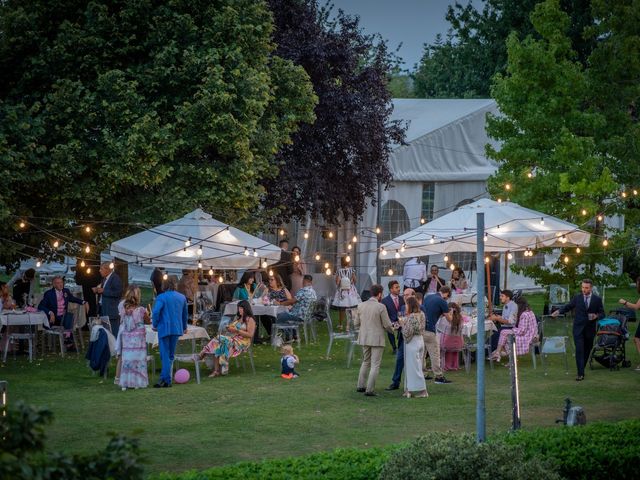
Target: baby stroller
(609,348)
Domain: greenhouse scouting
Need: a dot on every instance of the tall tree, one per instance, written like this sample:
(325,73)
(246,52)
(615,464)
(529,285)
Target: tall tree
(138,111)
(462,64)
(333,165)
(569,131)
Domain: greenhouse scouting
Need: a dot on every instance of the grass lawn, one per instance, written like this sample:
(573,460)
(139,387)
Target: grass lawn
(247,417)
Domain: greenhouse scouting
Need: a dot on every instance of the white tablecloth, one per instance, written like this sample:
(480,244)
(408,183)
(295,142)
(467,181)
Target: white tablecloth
(231,309)
(193,333)
(468,328)
(19,317)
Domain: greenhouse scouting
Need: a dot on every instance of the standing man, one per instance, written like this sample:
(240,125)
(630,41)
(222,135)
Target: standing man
(414,274)
(434,282)
(393,302)
(508,318)
(587,308)
(372,319)
(397,373)
(169,319)
(110,294)
(284,266)
(87,281)
(435,306)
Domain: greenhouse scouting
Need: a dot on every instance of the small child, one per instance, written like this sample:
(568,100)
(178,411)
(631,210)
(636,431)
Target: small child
(288,361)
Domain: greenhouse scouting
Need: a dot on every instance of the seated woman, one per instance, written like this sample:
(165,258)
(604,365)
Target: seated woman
(236,340)
(5,297)
(451,341)
(458,280)
(243,289)
(278,295)
(525,329)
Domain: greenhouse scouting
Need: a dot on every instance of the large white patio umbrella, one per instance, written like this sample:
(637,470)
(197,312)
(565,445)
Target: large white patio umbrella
(508,228)
(197,238)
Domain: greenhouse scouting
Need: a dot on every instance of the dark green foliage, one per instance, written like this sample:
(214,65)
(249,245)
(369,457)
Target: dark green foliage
(449,456)
(340,464)
(601,450)
(23,455)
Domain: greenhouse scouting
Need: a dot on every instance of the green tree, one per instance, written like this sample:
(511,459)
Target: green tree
(568,148)
(462,64)
(138,111)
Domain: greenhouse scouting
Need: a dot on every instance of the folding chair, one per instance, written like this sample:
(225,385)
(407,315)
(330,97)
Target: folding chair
(350,336)
(30,335)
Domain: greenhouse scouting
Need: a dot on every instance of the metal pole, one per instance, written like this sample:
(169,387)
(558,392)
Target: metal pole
(480,406)
(378,243)
(515,389)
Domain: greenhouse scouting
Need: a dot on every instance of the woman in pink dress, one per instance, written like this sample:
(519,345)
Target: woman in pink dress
(131,344)
(451,342)
(525,329)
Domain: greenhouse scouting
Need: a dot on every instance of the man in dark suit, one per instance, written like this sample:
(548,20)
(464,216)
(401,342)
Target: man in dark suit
(110,291)
(55,303)
(587,309)
(393,302)
(397,372)
(284,266)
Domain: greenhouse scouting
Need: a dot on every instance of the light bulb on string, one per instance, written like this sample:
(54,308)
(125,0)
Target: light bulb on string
(264,264)
(584,211)
(199,251)
(529,174)
(578,250)
(599,218)
(200,265)
(87,249)
(38,264)
(317,257)
(246,252)
(89,270)
(542,221)
(486,237)
(87,229)
(566,259)
(563,239)
(422,221)
(390,272)
(56,244)
(452,267)
(403,247)
(296,258)
(499,200)
(282,232)
(635,192)
(187,243)
(509,256)
(255,252)
(507,186)
(349,246)
(378,230)
(605,242)
(383,251)
(446,257)
(211,272)
(486,259)
(433,239)
(165,276)
(306,235)
(328,271)
(221,278)
(397,255)
(326,265)
(112,266)
(347,259)
(82,263)
(330,234)
(354,239)
(624,194)
(22,224)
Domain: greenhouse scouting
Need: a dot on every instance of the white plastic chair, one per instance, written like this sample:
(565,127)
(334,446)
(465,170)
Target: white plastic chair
(351,336)
(30,335)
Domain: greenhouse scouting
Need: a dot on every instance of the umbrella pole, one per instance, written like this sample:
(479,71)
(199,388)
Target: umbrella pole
(506,267)
(488,276)
(195,296)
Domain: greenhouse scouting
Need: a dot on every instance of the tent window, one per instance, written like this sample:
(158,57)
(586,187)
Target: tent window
(464,260)
(428,196)
(394,220)
(522,261)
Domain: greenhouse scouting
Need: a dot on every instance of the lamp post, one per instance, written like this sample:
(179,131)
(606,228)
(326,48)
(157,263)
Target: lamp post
(480,405)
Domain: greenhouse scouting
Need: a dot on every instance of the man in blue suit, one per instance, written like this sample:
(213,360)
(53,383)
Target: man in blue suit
(169,317)
(110,291)
(55,303)
(394,302)
(587,309)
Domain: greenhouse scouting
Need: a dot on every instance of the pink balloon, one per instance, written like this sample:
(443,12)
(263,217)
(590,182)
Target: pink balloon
(182,376)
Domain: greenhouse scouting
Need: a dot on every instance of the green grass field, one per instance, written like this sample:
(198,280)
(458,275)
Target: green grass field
(247,417)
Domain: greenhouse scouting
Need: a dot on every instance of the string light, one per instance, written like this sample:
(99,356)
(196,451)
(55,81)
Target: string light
(563,239)
(397,255)
(422,221)
(624,194)
(605,242)
(211,272)
(328,271)
(326,265)
(199,251)
(87,229)
(22,224)
(383,251)
(200,265)
(403,247)
(165,277)
(486,237)
(542,221)
(330,234)
(635,192)
(566,259)
(507,186)
(578,250)
(378,230)
(349,246)
(446,257)
(584,211)
(112,266)
(317,257)
(56,244)
(510,256)
(188,243)
(486,259)
(433,239)
(264,264)
(221,278)
(354,239)
(390,272)
(306,235)
(599,218)
(38,263)
(87,249)
(499,200)
(82,263)
(89,270)
(530,174)
(452,267)
(347,259)
(255,252)
(246,252)
(282,232)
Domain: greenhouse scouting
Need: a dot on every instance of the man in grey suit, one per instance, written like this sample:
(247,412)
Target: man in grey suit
(372,319)
(110,292)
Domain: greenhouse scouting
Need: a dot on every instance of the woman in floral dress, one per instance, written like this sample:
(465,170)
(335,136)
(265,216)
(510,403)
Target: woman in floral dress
(131,345)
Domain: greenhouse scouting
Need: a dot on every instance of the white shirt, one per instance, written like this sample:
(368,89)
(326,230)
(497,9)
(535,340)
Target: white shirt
(510,312)
(414,273)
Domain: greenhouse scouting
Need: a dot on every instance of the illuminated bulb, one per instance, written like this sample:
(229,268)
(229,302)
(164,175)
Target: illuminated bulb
(566,259)
(383,252)
(87,229)
(255,252)
(56,244)
(486,237)
(347,259)
(328,271)
(221,278)
(22,224)
(486,259)
(635,192)
(87,249)
(390,272)
(199,251)
(330,234)
(403,247)
(246,252)
(578,250)
(499,200)
(354,239)
(599,218)
(624,194)
(199,264)
(82,263)
(563,239)
(446,257)
(317,257)
(38,263)
(306,235)
(349,246)
(452,267)
(165,276)
(510,256)
(605,242)
(281,232)
(584,212)
(377,230)
(112,266)
(530,175)
(397,255)
(422,221)
(187,243)
(326,265)
(433,239)
(507,186)
(211,272)
(542,221)
(264,264)
(296,258)
(89,270)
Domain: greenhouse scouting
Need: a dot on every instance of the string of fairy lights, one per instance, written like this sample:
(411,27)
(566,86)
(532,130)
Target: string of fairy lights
(368,235)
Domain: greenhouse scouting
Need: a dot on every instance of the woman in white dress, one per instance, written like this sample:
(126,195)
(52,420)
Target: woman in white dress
(346,294)
(412,329)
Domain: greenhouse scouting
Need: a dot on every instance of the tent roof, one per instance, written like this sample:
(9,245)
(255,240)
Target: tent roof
(445,139)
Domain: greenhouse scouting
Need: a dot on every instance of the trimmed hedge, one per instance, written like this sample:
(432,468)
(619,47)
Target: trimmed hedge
(599,450)
(340,464)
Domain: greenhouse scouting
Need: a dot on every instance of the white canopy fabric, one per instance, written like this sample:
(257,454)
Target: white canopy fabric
(508,227)
(223,246)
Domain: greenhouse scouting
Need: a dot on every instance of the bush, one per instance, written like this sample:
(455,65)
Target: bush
(22,454)
(340,464)
(600,450)
(451,456)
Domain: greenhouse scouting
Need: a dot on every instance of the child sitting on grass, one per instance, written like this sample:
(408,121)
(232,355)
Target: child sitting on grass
(288,362)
